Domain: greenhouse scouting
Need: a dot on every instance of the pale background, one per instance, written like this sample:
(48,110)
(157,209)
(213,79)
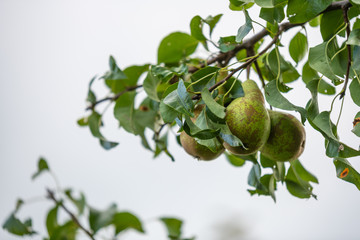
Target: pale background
(49,50)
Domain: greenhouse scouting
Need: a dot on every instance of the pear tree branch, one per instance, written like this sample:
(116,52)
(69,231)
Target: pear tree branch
(51,196)
(346,20)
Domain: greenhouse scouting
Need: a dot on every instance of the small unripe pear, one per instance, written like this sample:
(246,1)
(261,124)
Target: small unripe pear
(248,119)
(197,150)
(287,138)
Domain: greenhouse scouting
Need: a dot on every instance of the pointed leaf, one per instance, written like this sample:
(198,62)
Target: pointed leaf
(42,167)
(346,172)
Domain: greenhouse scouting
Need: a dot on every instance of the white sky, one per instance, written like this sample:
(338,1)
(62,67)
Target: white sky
(49,50)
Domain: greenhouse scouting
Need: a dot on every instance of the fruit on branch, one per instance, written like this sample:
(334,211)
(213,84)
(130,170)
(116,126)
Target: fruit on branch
(248,119)
(287,137)
(195,149)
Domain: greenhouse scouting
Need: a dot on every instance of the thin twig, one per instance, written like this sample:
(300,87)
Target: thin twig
(346,20)
(51,195)
(113,98)
(225,57)
(248,62)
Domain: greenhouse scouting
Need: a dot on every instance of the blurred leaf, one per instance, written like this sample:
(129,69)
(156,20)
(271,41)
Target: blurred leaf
(354,38)
(303,173)
(275,14)
(266,162)
(161,146)
(244,29)
(42,167)
(300,11)
(213,106)
(227,44)
(346,172)
(315,21)
(80,202)
(235,160)
(51,220)
(175,47)
(309,74)
(173,227)
(82,122)
(115,72)
(196,28)
(65,232)
(298,47)
(275,99)
(15,226)
(132,74)
(126,220)
(18,205)
(355,91)
(99,219)
(94,125)
(212,21)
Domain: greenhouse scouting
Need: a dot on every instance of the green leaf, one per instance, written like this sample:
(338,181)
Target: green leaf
(42,167)
(161,146)
(213,106)
(339,149)
(356,130)
(346,172)
(287,72)
(99,219)
(298,47)
(173,226)
(271,15)
(174,101)
(320,62)
(155,79)
(51,220)
(132,74)
(66,231)
(331,22)
(266,162)
(175,47)
(204,78)
(326,88)
(202,133)
(297,181)
(354,38)
(355,91)
(184,97)
(80,202)
(315,21)
(126,220)
(235,160)
(227,44)
(212,21)
(15,226)
(82,122)
(303,173)
(275,99)
(94,125)
(168,114)
(323,122)
(115,72)
(309,74)
(300,11)
(196,28)
(244,29)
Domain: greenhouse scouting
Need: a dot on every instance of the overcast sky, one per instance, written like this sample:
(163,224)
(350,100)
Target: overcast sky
(49,50)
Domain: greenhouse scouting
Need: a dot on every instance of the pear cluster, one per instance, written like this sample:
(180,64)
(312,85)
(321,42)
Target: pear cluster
(278,136)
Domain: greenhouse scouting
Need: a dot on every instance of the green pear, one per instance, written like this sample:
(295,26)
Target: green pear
(248,119)
(197,150)
(287,137)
